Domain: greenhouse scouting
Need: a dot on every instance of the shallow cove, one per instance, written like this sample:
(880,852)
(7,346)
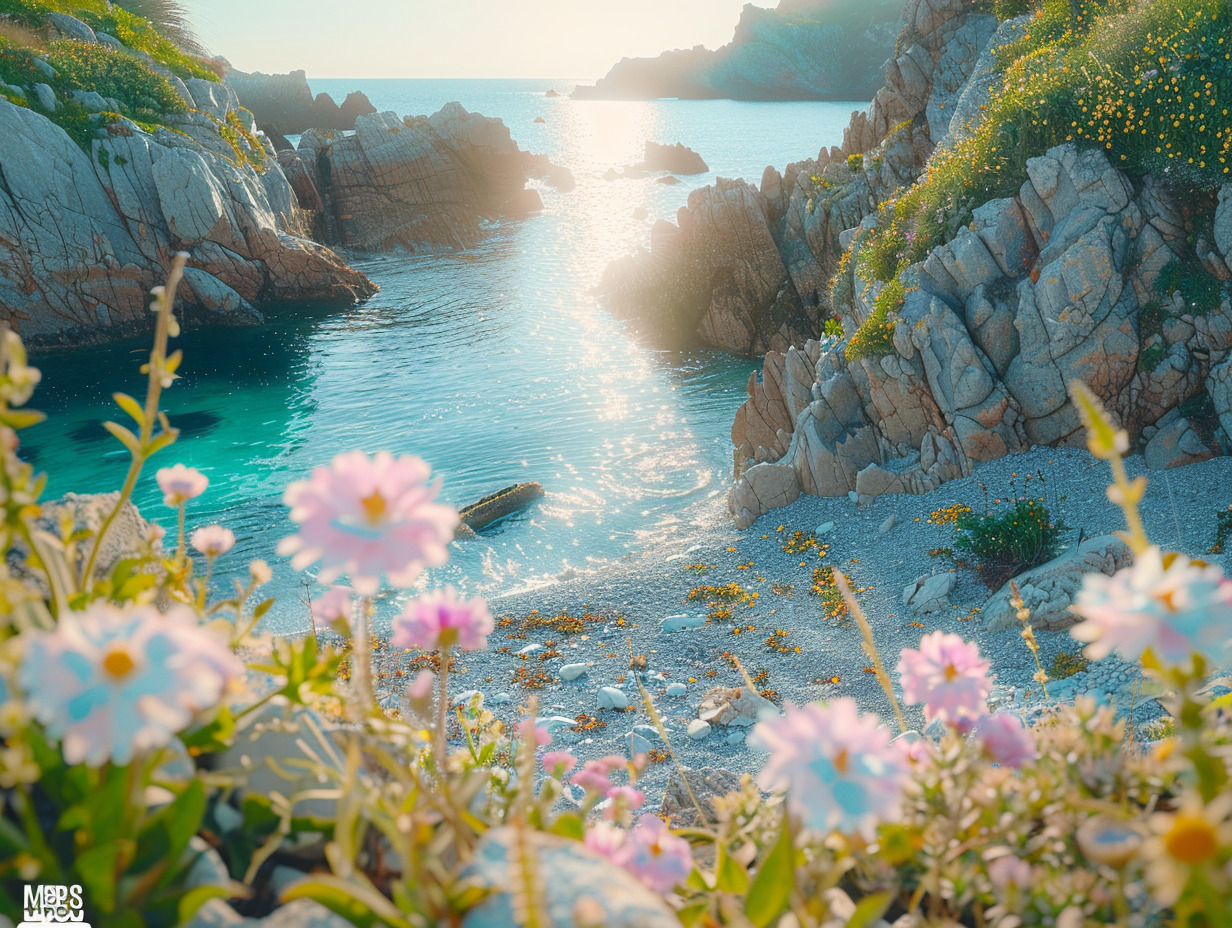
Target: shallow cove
(495,365)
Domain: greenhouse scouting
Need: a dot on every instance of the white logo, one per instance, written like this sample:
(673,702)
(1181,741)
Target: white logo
(52,905)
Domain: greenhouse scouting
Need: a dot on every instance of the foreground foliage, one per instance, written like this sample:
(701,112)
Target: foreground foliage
(122,687)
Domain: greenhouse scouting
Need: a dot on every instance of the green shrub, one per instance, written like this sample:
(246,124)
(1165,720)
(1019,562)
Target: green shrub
(1150,357)
(1017,534)
(855,162)
(1066,664)
(114,75)
(1198,287)
(875,337)
(833,328)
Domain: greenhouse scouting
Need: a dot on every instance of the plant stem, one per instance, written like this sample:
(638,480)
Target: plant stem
(157,370)
(361,648)
(439,741)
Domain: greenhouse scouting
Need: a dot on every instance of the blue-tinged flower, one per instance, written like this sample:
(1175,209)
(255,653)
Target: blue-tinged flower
(111,683)
(1164,602)
(839,768)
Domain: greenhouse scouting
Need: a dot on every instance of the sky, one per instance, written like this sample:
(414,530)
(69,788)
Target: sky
(456,38)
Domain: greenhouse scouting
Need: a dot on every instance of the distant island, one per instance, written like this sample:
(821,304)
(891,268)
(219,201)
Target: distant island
(803,50)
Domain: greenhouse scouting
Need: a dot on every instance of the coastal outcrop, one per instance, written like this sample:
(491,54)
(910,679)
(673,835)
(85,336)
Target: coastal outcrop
(966,349)
(285,103)
(421,182)
(85,232)
(803,50)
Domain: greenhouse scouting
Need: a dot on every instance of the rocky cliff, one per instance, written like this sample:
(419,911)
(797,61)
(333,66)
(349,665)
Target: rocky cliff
(416,183)
(85,232)
(803,50)
(960,350)
(284,103)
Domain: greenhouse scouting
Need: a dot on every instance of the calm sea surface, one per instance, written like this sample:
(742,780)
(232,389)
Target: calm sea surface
(496,365)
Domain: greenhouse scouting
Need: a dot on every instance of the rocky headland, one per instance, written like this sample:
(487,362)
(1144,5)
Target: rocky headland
(417,183)
(892,367)
(802,50)
(284,103)
(113,158)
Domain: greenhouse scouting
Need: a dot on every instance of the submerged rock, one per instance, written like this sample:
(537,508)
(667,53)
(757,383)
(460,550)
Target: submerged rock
(675,159)
(496,506)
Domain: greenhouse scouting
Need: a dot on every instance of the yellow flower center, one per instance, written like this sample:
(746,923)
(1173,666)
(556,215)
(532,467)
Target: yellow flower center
(1191,840)
(842,761)
(951,672)
(375,506)
(118,663)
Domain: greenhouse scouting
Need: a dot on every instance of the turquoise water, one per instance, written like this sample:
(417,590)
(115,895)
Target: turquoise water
(497,365)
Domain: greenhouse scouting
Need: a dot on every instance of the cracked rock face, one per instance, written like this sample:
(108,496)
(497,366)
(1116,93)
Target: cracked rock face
(1040,289)
(84,236)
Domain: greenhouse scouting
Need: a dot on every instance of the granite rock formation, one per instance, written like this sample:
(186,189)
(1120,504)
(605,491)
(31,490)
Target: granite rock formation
(803,50)
(422,182)
(1063,280)
(285,104)
(85,235)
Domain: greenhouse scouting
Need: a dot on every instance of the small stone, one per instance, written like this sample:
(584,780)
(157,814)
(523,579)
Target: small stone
(698,729)
(676,623)
(824,529)
(501,699)
(888,523)
(649,732)
(228,818)
(531,649)
(736,737)
(612,698)
(677,690)
(853,496)
(635,744)
(282,877)
(571,672)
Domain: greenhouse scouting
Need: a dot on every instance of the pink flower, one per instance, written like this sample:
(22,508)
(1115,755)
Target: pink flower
(1164,602)
(660,859)
(180,484)
(949,677)
(839,768)
(440,619)
(622,797)
(533,734)
(112,682)
(558,762)
(213,540)
(421,687)
(1006,741)
(595,773)
(604,839)
(1010,871)
(337,604)
(369,517)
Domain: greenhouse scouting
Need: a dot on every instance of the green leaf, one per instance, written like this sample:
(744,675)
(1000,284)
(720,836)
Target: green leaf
(730,875)
(361,905)
(262,607)
(98,869)
(697,880)
(216,736)
(770,894)
(690,915)
(125,437)
(21,418)
(869,909)
(130,406)
(195,898)
(184,815)
(162,440)
(569,826)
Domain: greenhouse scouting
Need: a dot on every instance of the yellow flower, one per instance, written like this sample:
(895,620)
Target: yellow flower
(1195,838)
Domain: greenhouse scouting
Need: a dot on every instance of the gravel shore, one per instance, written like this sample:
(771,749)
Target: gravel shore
(815,657)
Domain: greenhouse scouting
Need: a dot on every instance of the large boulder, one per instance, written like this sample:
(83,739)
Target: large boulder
(418,183)
(85,235)
(1049,590)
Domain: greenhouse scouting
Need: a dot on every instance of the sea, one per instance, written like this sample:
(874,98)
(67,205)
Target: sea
(496,365)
